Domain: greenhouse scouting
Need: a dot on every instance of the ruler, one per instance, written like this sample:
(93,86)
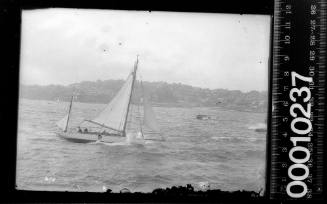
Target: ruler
(297,122)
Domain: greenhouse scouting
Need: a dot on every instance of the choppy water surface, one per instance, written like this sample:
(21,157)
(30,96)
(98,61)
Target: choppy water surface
(223,151)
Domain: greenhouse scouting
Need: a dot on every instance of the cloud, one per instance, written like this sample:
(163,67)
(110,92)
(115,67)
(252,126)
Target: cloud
(63,46)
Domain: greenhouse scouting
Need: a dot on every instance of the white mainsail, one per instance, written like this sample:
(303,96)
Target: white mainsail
(115,114)
(149,119)
(63,123)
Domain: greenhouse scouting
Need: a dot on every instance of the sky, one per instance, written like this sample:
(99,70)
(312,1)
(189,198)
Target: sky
(65,46)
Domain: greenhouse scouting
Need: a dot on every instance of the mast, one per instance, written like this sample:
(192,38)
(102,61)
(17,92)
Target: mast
(70,107)
(143,108)
(130,96)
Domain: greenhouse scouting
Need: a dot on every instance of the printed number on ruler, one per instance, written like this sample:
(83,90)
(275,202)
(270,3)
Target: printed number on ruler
(299,95)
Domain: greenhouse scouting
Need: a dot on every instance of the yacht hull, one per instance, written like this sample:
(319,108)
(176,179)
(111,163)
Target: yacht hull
(88,138)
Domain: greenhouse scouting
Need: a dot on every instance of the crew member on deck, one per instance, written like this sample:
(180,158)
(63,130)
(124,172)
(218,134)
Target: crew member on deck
(99,137)
(85,130)
(79,129)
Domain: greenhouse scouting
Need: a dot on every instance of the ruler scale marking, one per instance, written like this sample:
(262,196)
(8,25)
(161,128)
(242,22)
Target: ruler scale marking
(299,47)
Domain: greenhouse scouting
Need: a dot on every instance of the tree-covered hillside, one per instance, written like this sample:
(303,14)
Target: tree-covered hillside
(159,93)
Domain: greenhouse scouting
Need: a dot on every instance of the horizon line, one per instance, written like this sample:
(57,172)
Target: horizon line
(67,85)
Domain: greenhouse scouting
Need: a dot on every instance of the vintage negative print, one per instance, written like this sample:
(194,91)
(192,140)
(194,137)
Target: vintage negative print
(133,101)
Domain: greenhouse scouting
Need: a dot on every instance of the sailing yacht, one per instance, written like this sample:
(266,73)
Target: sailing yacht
(110,125)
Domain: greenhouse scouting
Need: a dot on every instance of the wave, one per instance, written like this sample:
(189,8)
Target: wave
(44,139)
(109,144)
(239,139)
(148,142)
(254,153)
(229,139)
(135,138)
(131,139)
(46,133)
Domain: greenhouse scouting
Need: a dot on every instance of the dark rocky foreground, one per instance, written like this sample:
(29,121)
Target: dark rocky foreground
(173,194)
(187,193)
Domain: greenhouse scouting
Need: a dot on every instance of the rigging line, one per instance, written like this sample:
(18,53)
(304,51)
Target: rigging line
(102,125)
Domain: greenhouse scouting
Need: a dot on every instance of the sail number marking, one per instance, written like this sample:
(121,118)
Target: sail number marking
(301,127)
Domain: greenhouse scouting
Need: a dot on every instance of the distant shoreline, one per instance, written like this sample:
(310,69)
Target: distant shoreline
(161,105)
(158,93)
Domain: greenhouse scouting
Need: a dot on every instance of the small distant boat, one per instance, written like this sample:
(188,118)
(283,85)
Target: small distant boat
(203,117)
(110,124)
(260,129)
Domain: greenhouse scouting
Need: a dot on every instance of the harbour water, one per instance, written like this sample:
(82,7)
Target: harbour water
(222,152)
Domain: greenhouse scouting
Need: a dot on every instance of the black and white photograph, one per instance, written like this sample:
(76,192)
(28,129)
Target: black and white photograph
(133,101)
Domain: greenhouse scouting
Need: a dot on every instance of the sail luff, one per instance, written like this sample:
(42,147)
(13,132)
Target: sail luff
(70,107)
(130,96)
